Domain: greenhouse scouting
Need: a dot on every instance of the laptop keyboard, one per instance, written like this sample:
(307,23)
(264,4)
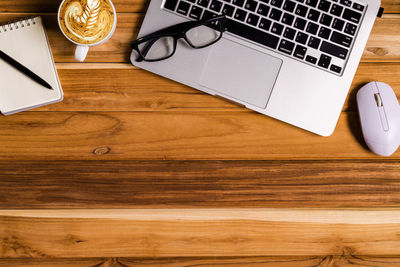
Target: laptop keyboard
(317,32)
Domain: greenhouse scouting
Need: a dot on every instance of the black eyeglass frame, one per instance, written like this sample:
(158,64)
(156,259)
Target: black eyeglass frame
(177,32)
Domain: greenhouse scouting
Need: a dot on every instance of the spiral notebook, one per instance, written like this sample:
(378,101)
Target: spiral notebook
(26,42)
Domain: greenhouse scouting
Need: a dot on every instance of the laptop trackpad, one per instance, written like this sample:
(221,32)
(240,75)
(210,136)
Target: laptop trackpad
(240,72)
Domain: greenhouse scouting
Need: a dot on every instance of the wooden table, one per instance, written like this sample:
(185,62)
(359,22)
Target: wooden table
(132,169)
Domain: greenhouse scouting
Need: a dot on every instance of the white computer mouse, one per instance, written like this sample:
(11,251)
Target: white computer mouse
(379,113)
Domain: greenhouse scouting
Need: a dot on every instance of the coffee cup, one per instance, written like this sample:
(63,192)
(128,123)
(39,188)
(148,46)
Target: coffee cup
(87,23)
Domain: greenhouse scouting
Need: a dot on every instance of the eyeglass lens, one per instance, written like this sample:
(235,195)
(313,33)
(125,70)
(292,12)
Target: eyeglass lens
(163,47)
(156,49)
(202,36)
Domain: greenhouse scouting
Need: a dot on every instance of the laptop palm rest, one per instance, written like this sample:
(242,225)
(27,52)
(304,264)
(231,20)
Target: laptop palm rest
(240,72)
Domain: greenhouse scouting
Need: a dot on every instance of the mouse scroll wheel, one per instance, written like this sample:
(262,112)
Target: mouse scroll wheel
(378,100)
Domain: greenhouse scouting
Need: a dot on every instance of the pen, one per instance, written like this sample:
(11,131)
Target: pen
(24,70)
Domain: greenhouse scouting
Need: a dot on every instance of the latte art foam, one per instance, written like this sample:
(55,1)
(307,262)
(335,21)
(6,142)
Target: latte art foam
(86,21)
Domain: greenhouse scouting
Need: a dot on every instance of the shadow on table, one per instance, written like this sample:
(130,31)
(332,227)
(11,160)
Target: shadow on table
(353,120)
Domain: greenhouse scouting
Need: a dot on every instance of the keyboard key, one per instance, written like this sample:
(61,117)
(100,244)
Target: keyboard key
(324,5)
(325,58)
(216,6)
(252,19)
(300,52)
(265,24)
(323,64)
(335,68)
(350,29)
(301,10)
(277,3)
(341,39)
(324,61)
(238,2)
(277,28)
(265,1)
(351,15)
(312,3)
(314,42)
(251,5)
(300,23)
(324,32)
(289,33)
(228,10)
(195,13)
(289,6)
(336,10)
(263,10)
(338,24)
(312,28)
(288,19)
(311,59)
(170,4)
(313,15)
(227,1)
(326,20)
(275,14)
(208,15)
(286,47)
(240,14)
(203,3)
(301,37)
(183,8)
(345,2)
(358,7)
(334,50)
(252,34)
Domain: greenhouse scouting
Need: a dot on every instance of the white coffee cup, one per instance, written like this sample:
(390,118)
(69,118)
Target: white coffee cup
(81,50)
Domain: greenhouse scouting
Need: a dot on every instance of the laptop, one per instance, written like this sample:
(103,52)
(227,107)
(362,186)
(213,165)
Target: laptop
(293,60)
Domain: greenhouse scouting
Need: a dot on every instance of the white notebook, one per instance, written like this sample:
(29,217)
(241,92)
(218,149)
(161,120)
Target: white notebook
(26,42)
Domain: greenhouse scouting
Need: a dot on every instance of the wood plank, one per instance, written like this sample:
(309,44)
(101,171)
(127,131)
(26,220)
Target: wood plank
(391,6)
(382,46)
(46,6)
(131,89)
(172,136)
(117,49)
(345,260)
(178,184)
(197,233)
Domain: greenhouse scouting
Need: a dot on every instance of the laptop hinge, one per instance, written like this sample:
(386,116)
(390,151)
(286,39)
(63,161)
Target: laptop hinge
(380,12)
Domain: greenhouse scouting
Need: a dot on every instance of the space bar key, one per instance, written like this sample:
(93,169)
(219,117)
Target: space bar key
(252,34)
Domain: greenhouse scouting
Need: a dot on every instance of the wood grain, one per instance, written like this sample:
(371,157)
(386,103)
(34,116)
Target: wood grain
(131,89)
(382,45)
(345,260)
(198,233)
(183,184)
(120,5)
(46,6)
(172,136)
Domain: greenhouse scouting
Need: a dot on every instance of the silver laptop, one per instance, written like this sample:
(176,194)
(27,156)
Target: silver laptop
(293,60)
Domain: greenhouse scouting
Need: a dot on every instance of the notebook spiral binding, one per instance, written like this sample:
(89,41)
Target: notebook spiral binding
(16,24)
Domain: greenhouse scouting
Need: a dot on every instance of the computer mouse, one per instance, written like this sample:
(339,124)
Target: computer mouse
(379,112)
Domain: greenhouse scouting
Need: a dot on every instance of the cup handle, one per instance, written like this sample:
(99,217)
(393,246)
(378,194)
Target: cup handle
(81,52)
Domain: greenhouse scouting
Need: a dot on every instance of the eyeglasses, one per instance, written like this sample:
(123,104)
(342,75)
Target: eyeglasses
(162,44)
